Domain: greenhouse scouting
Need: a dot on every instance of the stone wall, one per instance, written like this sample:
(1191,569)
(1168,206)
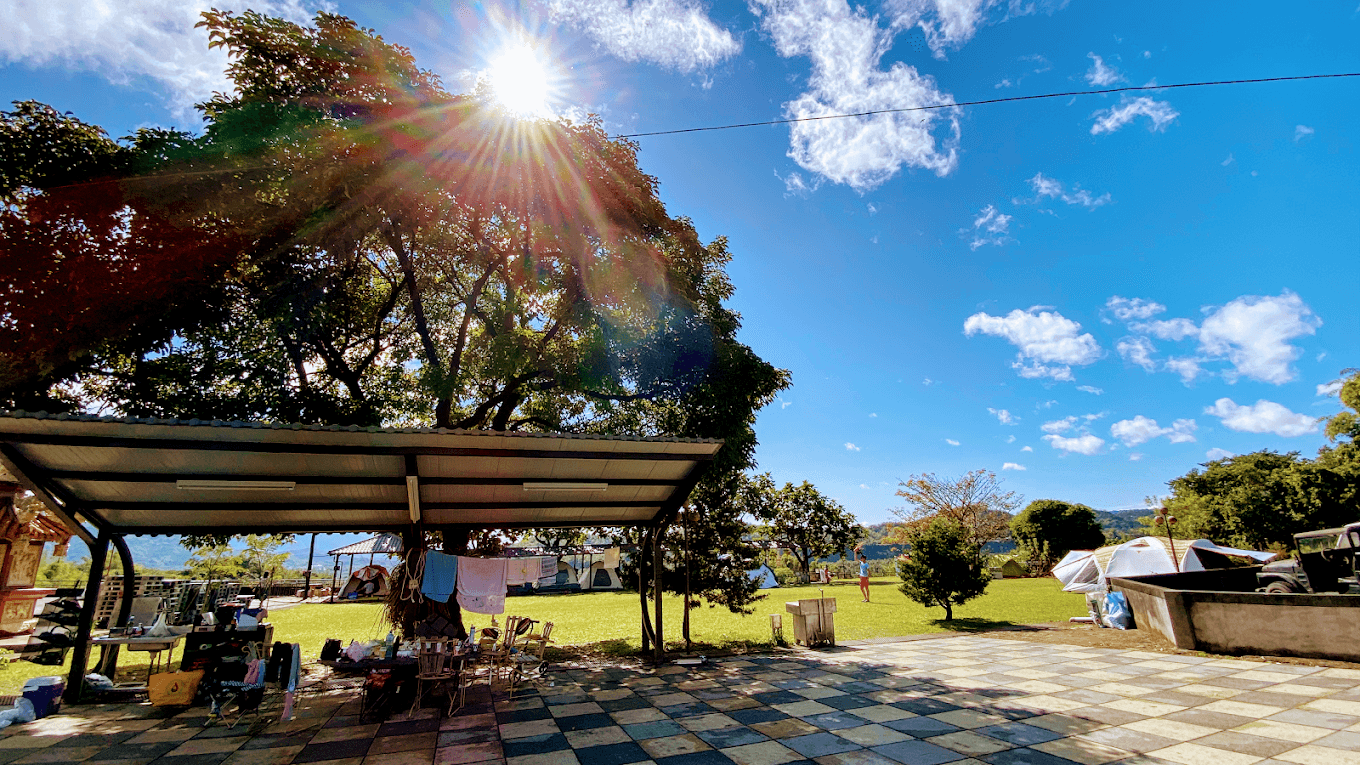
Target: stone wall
(1191,610)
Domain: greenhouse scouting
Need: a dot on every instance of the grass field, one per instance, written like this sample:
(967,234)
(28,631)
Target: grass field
(608,621)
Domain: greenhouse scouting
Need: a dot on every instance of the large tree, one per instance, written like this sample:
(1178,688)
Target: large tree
(800,519)
(974,500)
(1048,529)
(348,243)
(945,566)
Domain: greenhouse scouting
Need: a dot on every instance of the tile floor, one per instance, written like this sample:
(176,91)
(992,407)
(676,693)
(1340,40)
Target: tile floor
(965,700)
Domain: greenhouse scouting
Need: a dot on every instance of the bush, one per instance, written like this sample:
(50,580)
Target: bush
(785,576)
(945,568)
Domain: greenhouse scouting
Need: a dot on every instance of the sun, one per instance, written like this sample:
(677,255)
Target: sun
(519,80)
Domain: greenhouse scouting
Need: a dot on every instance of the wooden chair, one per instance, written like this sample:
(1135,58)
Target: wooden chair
(432,667)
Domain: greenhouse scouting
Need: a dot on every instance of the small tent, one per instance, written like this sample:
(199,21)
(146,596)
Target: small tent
(765,576)
(369,581)
(566,574)
(1089,570)
(600,577)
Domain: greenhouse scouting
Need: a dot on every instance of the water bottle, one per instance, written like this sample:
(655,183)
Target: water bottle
(391,645)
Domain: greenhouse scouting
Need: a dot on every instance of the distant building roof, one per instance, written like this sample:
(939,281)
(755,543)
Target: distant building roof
(382,544)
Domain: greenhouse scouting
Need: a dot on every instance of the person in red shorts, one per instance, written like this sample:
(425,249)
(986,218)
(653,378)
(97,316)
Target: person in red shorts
(864,576)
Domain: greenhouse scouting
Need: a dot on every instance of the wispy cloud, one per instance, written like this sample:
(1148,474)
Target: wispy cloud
(951,442)
(1159,113)
(849,447)
(1012,466)
(990,226)
(1101,75)
(1090,389)
(1301,132)
(1005,417)
(1218,454)
(675,34)
(1050,188)
(1329,389)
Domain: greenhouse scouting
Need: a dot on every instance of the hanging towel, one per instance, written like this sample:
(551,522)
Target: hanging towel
(441,576)
(521,570)
(547,567)
(611,557)
(481,585)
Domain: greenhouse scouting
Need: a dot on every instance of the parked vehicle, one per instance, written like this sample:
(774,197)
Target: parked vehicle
(1324,561)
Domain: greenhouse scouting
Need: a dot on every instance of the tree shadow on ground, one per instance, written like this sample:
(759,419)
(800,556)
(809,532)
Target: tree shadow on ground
(974,624)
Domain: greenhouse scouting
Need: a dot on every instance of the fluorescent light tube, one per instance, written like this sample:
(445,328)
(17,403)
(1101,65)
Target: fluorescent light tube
(564,486)
(229,485)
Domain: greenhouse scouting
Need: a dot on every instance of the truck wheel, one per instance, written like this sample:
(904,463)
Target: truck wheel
(1280,588)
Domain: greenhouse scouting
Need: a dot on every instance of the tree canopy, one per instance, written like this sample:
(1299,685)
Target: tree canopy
(945,566)
(975,500)
(800,519)
(1048,529)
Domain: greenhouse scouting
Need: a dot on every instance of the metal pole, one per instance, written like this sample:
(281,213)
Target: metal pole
(307,586)
(335,577)
(108,664)
(659,642)
(80,652)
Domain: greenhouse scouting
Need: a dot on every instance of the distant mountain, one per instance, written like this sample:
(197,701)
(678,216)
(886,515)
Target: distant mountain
(1122,522)
(166,553)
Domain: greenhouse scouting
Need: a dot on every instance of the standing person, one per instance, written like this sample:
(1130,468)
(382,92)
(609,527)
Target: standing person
(864,576)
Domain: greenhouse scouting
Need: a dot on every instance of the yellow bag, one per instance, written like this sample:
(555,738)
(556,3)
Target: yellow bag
(173,688)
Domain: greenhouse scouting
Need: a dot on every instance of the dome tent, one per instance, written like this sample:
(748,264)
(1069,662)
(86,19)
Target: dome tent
(600,577)
(764,575)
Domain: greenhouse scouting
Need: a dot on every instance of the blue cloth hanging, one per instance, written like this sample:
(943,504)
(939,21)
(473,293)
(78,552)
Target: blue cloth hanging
(440,579)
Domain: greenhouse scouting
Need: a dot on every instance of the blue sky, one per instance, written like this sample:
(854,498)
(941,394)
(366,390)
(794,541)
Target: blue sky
(1088,295)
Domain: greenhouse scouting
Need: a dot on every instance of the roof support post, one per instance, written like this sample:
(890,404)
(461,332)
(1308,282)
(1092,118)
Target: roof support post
(413,488)
(108,664)
(659,642)
(307,585)
(80,652)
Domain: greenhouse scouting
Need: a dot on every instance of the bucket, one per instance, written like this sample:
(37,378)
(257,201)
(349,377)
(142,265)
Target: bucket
(45,694)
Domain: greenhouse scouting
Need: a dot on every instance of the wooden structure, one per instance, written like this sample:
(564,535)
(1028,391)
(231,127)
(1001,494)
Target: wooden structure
(24,532)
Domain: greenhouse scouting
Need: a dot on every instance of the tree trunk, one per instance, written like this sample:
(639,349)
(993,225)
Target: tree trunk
(456,543)
(948,611)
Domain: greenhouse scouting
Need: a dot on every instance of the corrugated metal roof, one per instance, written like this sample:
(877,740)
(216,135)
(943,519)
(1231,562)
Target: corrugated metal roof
(174,476)
(382,544)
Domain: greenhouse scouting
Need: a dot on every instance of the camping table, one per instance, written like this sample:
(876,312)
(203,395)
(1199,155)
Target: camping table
(153,645)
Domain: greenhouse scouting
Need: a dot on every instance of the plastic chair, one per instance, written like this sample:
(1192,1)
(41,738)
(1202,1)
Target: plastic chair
(432,667)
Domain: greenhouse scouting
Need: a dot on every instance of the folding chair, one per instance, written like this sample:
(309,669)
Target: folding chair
(433,667)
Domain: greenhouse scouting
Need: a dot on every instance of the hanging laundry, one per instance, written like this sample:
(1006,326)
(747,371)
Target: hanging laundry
(521,570)
(547,567)
(611,557)
(440,578)
(481,585)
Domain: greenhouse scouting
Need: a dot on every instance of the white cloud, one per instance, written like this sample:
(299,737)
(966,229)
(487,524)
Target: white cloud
(1253,332)
(1141,429)
(1085,444)
(1126,309)
(845,47)
(951,23)
(1090,389)
(1147,54)
(1046,405)
(1010,439)
(1138,350)
(951,442)
(1004,416)
(873,414)
(130,42)
(1058,426)
(927,381)
(1187,367)
(675,34)
(1043,337)
(1301,132)
(1171,329)
(989,227)
(872,209)
(1227,161)
(1135,456)
(1109,120)
(797,186)
(1262,417)
(1012,466)
(1093,417)
(849,447)
(1329,389)
(1005,83)
(1101,75)
(864,486)
(1027,448)
(1218,454)
(784,404)
(1049,188)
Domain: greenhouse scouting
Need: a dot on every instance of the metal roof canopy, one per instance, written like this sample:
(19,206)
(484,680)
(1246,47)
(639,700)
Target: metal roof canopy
(133,476)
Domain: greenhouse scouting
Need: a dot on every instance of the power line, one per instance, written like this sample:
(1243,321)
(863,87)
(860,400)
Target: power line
(930,107)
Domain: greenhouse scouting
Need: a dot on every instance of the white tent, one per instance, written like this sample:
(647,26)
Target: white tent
(600,577)
(765,576)
(566,573)
(1088,570)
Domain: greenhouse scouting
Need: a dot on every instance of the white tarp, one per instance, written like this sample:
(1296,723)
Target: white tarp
(1088,570)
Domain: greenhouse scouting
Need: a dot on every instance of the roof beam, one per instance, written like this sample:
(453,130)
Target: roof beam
(108,476)
(277,447)
(393,506)
(31,476)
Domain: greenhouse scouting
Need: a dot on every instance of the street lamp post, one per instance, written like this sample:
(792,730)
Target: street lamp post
(1164,519)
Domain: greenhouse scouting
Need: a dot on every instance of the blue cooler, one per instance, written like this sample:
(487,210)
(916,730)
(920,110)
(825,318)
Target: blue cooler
(45,694)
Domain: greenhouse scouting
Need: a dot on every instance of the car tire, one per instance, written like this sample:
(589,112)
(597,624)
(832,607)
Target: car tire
(1280,588)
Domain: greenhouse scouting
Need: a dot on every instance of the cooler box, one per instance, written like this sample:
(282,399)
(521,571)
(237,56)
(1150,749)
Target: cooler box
(45,694)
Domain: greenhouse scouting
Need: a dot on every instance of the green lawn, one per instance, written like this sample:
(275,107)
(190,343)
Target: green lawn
(608,621)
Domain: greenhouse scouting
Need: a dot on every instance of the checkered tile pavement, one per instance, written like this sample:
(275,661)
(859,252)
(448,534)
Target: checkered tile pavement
(966,700)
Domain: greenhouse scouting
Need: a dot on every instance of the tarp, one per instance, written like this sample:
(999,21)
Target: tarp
(765,576)
(1088,570)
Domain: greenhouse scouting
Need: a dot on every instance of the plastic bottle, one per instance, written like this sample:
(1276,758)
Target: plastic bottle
(391,645)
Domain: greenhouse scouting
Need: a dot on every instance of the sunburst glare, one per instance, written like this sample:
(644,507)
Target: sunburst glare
(519,80)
